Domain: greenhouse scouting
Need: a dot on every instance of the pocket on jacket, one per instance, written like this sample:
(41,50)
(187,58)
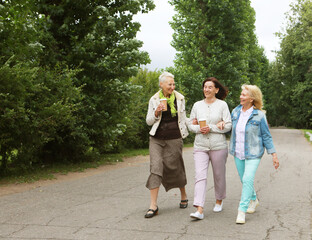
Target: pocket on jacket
(254,123)
(234,118)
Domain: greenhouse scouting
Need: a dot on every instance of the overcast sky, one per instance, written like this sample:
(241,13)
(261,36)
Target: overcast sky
(156,32)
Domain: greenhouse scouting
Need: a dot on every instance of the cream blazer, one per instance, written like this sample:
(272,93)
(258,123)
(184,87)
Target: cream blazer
(151,120)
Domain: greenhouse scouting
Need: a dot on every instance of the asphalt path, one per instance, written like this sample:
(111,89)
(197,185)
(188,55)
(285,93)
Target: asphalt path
(111,204)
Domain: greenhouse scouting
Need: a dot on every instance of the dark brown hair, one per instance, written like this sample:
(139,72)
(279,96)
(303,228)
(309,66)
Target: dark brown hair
(223,91)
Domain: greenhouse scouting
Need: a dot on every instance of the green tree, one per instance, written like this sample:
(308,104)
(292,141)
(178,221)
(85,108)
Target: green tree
(137,131)
(64,77)
(216,38)
(289,87)
(38,122)
(98,37)
(38,104)
(18,34)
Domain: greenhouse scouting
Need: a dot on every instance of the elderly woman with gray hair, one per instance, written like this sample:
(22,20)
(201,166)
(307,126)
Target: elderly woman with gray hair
(168,121)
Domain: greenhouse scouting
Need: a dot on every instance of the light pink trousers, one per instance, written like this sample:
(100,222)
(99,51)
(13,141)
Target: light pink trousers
(218,161)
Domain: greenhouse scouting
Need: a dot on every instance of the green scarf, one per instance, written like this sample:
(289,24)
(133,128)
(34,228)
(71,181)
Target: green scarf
(170,101)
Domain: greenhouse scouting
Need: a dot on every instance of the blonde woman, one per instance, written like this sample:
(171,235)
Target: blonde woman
(250,135)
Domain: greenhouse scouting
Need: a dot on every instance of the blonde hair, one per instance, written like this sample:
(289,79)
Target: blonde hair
(256,94)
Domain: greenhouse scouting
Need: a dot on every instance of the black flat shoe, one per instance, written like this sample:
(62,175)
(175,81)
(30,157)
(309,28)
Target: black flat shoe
(184,205)
(150,215)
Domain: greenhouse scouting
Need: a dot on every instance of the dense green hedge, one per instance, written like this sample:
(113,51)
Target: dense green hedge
(65,66)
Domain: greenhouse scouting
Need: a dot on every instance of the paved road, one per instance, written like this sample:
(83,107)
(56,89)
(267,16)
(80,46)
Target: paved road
(111,205)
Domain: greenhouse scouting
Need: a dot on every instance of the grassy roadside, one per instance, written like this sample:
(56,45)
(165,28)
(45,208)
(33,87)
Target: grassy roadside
(48,172)
(306,135)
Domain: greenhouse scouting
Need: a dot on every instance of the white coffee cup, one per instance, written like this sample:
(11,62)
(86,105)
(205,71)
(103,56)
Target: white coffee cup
(164,102)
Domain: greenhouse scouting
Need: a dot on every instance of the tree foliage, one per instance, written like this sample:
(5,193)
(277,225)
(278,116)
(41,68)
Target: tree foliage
(216,38)
(38,104)
(38,121)
(70,82)
(98,37)
(288,91)
(64,77)
(137,132)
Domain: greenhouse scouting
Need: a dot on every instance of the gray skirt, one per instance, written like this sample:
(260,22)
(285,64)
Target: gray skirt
(166,164)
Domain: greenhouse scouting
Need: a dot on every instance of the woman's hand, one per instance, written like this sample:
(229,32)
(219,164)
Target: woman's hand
(275,161)
(195,122)
(221,125)
(159,109)
(205,130)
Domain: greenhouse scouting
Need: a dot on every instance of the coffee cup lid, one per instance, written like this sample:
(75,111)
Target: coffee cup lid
(163,99)
(202,119)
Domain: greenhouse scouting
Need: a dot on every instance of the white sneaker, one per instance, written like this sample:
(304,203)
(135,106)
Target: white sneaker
(240,217)
(252,205)
(218,207)
(197,215)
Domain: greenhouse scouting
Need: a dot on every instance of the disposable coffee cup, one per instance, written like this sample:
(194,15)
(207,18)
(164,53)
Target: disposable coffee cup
(202,123)
(164,101)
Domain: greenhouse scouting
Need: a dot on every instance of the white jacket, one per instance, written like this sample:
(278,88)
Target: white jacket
(152,120)
(212,113)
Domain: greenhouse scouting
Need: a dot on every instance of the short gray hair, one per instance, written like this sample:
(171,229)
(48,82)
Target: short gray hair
(164,75)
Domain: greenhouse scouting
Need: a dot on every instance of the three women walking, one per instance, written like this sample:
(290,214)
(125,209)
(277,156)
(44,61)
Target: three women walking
(249,137)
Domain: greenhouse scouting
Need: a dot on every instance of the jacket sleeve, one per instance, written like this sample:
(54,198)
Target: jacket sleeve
(183,122)
(266,136)
(226,117)
(190,125)
(150,117)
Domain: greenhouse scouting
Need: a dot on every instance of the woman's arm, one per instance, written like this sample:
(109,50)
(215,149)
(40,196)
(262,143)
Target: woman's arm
(150,117)
(275,161)
(190,125)
(226,118)
(266,136)
(267,141)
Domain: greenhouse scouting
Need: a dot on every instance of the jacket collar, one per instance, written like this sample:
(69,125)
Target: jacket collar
(254,112)
(178,95)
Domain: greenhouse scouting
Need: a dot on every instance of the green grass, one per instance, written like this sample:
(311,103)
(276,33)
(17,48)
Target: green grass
(306,135)
(48,172)
(41,172)
(188,145)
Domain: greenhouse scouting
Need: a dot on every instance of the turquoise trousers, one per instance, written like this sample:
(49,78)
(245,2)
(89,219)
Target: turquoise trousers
(247,171)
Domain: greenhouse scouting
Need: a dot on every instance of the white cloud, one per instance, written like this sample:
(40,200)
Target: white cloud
(270,19)
(156,34)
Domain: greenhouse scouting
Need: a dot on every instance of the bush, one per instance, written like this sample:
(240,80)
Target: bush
(38,122)
(137,131)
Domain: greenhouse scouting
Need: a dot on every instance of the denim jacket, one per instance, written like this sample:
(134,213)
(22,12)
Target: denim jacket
(257,134)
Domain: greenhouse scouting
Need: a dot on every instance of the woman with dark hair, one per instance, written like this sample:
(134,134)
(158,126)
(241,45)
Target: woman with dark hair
(214,118)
